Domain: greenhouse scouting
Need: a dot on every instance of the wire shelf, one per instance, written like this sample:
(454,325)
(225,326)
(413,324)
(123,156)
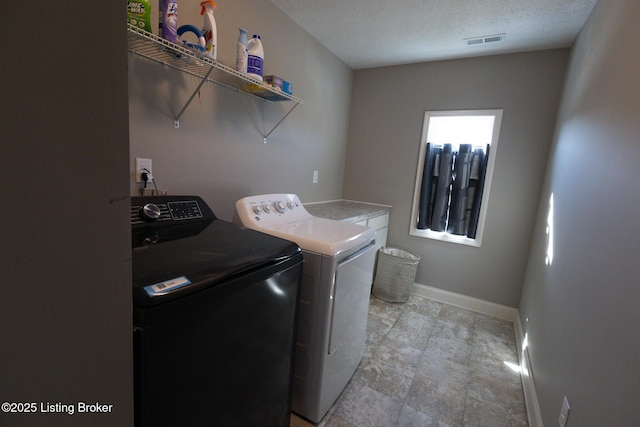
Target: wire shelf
(157,49)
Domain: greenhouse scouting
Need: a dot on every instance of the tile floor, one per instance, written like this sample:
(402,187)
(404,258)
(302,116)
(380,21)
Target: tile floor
(431,364)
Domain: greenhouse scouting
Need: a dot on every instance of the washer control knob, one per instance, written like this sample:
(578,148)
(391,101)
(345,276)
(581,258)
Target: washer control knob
(150,212)
(280,207)
(257,210)
(266,208)
(291,204)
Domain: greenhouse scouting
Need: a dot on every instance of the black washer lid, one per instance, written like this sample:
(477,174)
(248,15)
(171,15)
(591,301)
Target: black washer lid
(179,258)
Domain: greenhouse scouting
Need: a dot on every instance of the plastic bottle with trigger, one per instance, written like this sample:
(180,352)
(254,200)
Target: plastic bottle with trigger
(255,60)
(209,29)
(241,59)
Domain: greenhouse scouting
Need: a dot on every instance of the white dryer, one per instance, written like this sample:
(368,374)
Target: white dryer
(334,300)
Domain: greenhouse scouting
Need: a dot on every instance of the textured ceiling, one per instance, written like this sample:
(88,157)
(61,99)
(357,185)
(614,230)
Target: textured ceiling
(373,33)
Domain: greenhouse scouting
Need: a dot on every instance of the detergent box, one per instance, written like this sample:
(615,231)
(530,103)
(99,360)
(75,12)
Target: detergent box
(279,83)
(139,14)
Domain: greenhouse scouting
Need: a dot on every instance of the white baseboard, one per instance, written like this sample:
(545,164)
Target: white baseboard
(528,385)
(501,312)
(470,303)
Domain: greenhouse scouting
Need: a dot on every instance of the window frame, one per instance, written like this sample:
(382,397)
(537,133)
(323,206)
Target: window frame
(440,235)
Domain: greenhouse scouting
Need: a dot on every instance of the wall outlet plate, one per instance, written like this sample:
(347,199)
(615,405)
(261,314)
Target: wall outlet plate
(141,165)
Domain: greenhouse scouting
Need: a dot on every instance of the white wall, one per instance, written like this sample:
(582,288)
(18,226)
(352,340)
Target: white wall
(387,114)
(218,151)
(583,309)
(65,298)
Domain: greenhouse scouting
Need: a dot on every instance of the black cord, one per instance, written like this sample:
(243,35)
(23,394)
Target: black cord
(145,173)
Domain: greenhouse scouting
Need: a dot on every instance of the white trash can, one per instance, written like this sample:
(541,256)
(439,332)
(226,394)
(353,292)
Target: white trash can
(395,274)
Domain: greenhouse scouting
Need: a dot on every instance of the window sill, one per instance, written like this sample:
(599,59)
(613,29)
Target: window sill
(446,237)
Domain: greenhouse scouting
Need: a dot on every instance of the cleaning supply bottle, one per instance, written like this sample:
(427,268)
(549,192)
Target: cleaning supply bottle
(241,59)
(209,29)
(169,20)
(255,61)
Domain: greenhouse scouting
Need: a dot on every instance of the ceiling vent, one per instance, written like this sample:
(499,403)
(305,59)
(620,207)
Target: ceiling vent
(494,38)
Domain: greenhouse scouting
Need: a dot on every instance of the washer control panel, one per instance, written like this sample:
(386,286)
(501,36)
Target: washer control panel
(188,209)
(272,209)
(152,210)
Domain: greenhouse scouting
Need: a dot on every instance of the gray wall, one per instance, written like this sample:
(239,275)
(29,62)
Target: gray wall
(387,113)
(582,310)
(65,298)
(218,151)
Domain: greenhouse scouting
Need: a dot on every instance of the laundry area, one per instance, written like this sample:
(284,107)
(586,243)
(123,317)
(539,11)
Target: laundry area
(247,213)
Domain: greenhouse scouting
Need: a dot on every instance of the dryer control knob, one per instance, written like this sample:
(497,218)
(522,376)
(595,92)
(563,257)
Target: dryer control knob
(257,210)
(291,205)
(280,207)
(150,212)
(266,208)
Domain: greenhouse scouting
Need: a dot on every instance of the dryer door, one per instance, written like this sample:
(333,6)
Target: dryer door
(348,328)
(350,300)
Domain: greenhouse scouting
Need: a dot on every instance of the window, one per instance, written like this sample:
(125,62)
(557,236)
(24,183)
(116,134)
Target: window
(455,166)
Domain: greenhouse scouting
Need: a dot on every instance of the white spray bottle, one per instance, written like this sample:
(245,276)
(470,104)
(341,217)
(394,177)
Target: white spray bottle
(209,30)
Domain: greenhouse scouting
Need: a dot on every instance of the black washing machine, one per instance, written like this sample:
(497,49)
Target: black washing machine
(214,318)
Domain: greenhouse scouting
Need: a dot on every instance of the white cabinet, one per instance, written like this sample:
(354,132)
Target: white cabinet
(381,225)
